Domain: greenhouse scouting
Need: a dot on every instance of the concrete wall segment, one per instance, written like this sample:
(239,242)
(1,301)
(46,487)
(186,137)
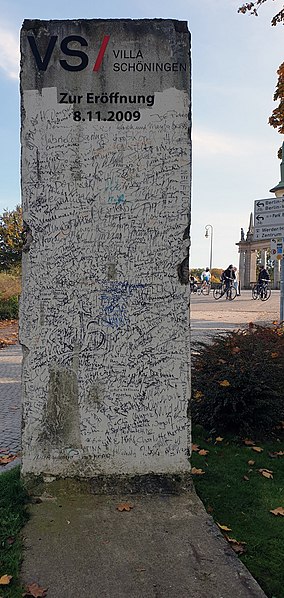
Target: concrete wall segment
(106,189)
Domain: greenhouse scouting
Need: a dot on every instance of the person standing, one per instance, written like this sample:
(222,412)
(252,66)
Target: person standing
(236,281)
(229,277)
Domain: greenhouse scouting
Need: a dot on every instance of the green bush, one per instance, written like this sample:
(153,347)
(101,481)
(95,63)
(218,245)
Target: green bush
(238,382)
(9,308)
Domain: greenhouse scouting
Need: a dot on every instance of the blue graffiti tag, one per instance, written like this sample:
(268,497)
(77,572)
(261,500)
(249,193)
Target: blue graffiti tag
(117,200)
(114,303)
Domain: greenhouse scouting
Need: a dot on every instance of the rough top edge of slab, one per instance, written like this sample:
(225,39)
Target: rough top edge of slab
(180,26)
(109,484)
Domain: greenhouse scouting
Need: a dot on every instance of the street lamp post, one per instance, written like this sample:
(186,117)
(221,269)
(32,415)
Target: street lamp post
(207,228)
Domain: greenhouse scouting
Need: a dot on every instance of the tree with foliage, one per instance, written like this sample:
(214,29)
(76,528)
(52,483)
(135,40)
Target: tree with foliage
(252,8)
(276,119)
(11,241)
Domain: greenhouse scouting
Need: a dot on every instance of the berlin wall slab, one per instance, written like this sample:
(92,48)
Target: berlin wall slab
(106,187)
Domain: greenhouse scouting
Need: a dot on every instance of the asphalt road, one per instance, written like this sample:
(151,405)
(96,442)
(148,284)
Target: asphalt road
(209,317)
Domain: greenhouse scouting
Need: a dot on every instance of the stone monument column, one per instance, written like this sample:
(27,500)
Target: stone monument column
(263,257)
(242,258)
(106,171)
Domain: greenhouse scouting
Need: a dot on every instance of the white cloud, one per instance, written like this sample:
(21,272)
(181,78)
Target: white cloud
(9,53)
(209,142)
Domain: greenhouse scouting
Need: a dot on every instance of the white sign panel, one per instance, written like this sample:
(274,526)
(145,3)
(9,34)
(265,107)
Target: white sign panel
(269,218)
(269,205)
(268,232)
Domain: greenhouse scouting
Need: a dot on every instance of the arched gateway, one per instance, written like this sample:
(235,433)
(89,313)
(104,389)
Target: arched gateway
(249,246)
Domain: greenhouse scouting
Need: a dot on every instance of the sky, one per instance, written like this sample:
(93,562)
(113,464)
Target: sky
(235,58)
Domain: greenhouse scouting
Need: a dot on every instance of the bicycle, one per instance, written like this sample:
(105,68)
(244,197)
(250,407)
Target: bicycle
(220,291)
(261,290)
(193,287)
(205,287)
(198,288)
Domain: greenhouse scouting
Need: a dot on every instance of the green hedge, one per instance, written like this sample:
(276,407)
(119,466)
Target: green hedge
(238,381)
(9,308)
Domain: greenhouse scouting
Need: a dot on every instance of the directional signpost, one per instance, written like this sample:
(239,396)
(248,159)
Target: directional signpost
(269,218)
(269,224)
(276,249)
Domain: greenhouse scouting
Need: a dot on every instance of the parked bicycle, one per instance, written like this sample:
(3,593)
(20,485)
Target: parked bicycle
(261,290)
(222,290)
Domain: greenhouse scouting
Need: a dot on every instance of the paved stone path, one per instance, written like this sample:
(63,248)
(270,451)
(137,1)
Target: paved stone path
(10,403)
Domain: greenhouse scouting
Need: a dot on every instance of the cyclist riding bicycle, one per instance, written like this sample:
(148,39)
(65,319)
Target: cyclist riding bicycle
(229,276)
(263,277)
(205,277)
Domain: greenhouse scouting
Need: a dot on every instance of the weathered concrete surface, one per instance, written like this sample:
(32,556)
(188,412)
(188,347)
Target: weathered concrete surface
(106,161)
(165,547)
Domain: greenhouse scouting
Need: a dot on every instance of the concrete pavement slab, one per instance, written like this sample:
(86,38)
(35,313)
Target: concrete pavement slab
(165,547)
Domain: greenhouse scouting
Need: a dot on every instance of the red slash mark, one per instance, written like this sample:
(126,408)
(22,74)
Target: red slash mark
(101,53)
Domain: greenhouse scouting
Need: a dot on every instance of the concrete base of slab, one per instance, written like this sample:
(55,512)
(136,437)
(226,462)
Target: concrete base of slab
(151,483)
(166,546)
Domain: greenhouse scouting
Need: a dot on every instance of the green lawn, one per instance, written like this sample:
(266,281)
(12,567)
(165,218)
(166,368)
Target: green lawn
(244,504)
(13,514)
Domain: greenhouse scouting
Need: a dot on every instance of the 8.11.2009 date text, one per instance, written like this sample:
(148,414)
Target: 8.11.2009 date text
(111,115)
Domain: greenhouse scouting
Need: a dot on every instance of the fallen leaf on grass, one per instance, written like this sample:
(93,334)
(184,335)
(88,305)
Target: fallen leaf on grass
(251,462)
(125,506)
(274,355)
(225,528)
(246,478)
(222,361)
(195,448)
(195,471)
(233,541)
(224,383)
(34,590)
(276,454)
(238,548)
(267,473)
(219,439)
(5,580)
(7,459)
(235,350)
(203,452)
(278,511)
(198,394)
(257,449)
(248,442)
(10,540)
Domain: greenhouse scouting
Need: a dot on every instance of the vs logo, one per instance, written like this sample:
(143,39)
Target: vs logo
(43,62)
